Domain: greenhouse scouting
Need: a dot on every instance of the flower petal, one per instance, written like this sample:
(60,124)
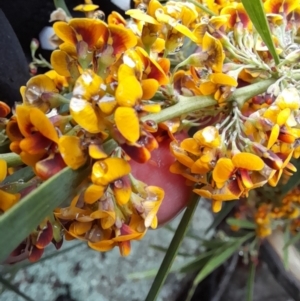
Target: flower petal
(223,170)
(40,121)
(3,169)
(127,123)
(248,161)
(71,151)
(93,193)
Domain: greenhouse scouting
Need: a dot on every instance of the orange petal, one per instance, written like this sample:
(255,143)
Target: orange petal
(7,200)
(50,166)
(96,152)
(4,109)
(22,112)
(223,170)
(246,179)
(109,170)
(13,131)
(129,89)
(35,144)
(122,38)
(65,32)
(122,190)
(79,228)
(89,30)
(3,169)
(71,151)
(127,123)
(40,121)
(31,160)
(60,62)
(248,161)
(85,115)
(93,193)
(102,246)
(149,87)
(273,136)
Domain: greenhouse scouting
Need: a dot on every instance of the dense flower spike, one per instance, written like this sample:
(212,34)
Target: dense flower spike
(121,88)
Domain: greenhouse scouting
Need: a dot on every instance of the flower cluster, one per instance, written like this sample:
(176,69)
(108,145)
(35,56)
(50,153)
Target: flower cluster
(119,86)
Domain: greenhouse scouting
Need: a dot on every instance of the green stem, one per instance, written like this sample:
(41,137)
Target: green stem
(250,282)
(184,106)
(204,8)
(11,159)
(62,4)
(173,249)
(241,95)
(191,104)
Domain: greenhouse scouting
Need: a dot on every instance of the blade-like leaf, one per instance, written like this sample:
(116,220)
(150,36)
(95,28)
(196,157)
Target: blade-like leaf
(173,249)
(219,217)
(198,262)
(256,13)
(61,4)
(244,224)
(292,241)
(215,262)
(24,174)
(165,249)
(20,220)
(250,282)
(286,237)
(13,288)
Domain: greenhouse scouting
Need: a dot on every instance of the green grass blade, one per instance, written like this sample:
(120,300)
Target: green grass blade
(215,262)
(243,224)
(250,282)
(292,241)
(24,174)
(286,238)
(172,250)
(256,13)
(13,288)
(19,221)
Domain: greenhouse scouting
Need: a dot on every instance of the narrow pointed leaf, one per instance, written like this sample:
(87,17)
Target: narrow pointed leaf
(172,250)
(215,262)
(24,174)
(240,223)
(19,221)
(250,282)
(292,241)
(256,13)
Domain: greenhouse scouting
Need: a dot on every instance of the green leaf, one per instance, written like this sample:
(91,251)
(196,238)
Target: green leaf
(198,262)
(292,241)
(256,13)
(20,220)
(24,174)
(286,238)
(13,288)
(164,250)
(172,250)
(216,261)
(244,224)
(293,181)
(11,159)
(219,217)
(250,282)
(61,4)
